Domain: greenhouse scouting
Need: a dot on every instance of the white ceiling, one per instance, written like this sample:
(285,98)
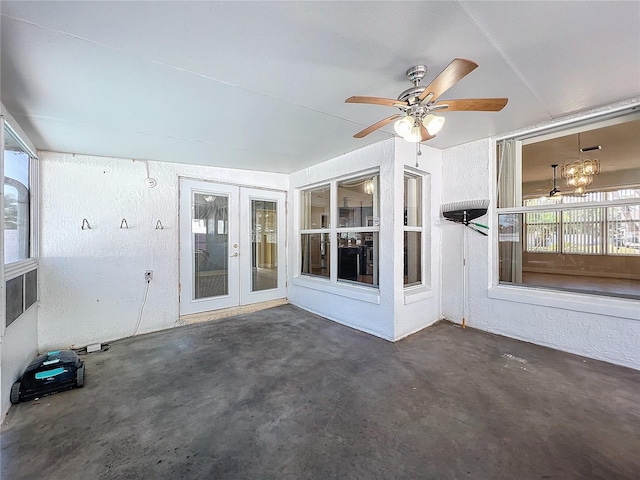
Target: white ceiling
(261,85)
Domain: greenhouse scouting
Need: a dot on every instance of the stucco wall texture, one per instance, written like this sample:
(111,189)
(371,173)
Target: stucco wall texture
(92,281)
(602,328)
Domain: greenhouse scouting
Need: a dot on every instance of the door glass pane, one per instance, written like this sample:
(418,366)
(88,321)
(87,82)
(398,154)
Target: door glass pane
(209,230)
(264,245)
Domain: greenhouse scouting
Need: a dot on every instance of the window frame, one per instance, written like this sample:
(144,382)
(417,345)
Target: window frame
(332,282)
(421,229)
(599,302)
(22,267)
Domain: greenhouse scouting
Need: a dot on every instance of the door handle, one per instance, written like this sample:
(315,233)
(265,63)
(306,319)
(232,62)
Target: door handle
(235,254)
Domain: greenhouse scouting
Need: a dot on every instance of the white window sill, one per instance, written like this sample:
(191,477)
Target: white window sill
(13,270)
(417,294)
(364,294)
(601,305)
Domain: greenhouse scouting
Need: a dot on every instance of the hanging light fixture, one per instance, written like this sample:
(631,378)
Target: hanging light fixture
(579,174)
(368,186)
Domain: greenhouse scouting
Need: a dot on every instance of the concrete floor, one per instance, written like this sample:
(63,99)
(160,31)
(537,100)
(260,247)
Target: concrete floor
(285,394)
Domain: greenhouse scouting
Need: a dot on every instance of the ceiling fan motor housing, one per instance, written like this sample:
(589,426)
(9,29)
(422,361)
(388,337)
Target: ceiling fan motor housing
(416,74)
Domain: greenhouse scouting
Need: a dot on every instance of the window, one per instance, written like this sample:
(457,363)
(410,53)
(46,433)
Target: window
(17,215)
(20,263)
(315,205)
(344,226)
(412,229)
(576,240)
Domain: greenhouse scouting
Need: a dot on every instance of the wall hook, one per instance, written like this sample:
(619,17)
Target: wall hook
(85,224)
(123,223)
(159,225)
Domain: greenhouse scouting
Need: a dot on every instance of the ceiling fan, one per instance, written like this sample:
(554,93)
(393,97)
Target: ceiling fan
(416,122)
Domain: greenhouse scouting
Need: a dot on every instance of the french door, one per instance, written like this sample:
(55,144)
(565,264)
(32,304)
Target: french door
(232,246)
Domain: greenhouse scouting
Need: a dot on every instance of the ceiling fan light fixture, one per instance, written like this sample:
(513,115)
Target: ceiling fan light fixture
(433,123)
(414,135)
(403,126)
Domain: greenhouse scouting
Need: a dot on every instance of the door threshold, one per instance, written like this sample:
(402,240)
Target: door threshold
(192,318)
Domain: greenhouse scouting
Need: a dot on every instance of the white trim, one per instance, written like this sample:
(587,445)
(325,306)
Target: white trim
(412,293)
(16,135)
(555,207)
(416,293)
(354,175)
(356,229)
(619,118)
(333,231)
(614,110)
(595,304)
(16,269)
(319,230)
(523,293)
(3,293)
(349,290)
(232,184)
(34,207)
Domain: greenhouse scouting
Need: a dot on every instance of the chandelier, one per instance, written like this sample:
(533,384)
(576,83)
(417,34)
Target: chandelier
(579,174)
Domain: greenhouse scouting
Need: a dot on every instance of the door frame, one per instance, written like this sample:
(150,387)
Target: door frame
(239,259)
(247,194)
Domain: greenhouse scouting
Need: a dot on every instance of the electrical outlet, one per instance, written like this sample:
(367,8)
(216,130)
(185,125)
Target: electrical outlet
(148,275)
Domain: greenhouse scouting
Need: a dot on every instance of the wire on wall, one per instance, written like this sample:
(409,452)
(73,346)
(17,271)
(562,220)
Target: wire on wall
(144,301)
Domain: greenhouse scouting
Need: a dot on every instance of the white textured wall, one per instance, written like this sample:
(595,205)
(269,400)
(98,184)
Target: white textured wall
(417,308)
(18,349)
(19,344)
(390,318)
(373,318)
(602,328)
(92,281)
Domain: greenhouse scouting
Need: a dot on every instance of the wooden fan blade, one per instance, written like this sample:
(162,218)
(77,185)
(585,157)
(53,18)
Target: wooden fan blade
(387,102)
(424,135)
(473,105)
(455,71)
(376,126)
